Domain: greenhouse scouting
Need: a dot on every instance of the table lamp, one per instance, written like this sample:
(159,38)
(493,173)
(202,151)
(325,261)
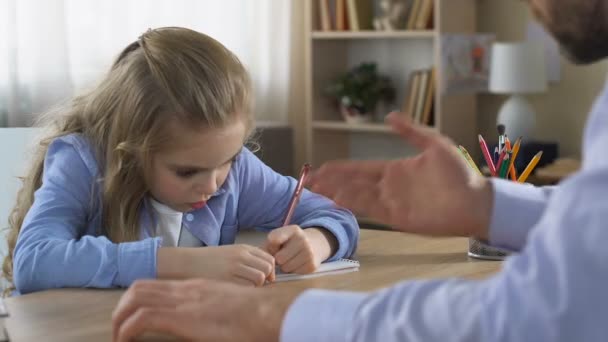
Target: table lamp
(517,69)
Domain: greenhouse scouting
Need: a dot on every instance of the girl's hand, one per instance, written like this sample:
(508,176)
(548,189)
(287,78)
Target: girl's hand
(298,250)
(241,264)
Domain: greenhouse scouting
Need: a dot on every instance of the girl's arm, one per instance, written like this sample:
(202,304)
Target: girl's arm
(264,197)
(57,246)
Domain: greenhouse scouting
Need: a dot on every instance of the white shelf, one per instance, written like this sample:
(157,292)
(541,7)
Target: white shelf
(343,126)
(421,34)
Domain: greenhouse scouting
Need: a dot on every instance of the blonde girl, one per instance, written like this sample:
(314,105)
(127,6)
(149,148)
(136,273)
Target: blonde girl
(147,176)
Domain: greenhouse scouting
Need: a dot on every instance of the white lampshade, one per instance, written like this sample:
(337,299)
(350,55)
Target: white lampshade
(517,68)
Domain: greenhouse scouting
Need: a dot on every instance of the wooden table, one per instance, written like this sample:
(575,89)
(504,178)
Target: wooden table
(386,257)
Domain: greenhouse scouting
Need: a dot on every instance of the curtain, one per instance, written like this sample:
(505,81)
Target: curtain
(49,50)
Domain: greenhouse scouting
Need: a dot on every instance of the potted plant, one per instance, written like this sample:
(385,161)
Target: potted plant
(359,91)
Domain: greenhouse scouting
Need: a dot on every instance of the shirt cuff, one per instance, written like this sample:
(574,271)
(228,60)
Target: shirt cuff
(321,315)
(517,208)
(137,260)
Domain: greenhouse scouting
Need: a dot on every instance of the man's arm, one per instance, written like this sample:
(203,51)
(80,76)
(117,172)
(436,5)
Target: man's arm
(554,290)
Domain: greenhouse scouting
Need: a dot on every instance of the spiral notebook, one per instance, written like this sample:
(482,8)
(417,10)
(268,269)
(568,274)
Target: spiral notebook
(327,268)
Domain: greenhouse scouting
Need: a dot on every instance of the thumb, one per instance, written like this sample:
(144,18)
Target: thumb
(419,136)
(275,239)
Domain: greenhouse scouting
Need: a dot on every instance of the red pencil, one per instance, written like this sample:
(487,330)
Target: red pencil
(486,155)
(296,194)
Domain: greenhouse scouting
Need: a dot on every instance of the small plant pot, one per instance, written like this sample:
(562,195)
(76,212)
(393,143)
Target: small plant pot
(353,116)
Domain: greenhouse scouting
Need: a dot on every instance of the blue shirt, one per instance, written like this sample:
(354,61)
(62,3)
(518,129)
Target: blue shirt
(555,289)
(61,242)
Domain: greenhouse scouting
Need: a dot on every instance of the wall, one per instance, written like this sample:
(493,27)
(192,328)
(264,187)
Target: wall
(562,111)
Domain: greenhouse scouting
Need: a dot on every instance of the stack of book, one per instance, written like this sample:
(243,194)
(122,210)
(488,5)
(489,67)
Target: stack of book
(419,98)
(358,15)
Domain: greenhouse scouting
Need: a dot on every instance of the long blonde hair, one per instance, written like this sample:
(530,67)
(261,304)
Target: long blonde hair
(168,73)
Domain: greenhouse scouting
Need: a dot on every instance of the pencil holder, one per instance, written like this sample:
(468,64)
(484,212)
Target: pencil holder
(503,168)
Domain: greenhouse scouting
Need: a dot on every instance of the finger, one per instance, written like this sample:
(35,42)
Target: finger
(272,276)
(289,250)
(255,276)
(277,237)
(270,248)
(242,281)
(420,137)
(298,262)
(130,302)
(262,254)
(142,296)
(265,265)
(158,320)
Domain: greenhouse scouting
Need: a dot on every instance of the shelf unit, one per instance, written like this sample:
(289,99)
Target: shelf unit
(398,53)
(333,125)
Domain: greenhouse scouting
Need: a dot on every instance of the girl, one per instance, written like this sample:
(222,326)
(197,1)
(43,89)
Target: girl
(153,159)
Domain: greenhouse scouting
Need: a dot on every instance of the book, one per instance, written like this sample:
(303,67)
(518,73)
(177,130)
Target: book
(353,17)
(324,15)
(413,15)
(421,95)
(424,15)
(360,14)
(430,96)
(341,24)
(339,266)
(410,100)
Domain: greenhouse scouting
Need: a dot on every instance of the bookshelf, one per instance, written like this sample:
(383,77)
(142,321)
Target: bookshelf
(398,54)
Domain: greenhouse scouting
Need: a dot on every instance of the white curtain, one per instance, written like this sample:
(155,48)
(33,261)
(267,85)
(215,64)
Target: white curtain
(51,49)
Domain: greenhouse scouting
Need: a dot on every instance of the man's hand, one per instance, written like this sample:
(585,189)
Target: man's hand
(200,310)
(433,193)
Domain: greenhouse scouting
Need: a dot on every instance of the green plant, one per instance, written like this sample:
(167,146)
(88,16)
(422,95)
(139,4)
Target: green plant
(361,88)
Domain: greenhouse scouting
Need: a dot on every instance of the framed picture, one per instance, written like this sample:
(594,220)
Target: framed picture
(466,62)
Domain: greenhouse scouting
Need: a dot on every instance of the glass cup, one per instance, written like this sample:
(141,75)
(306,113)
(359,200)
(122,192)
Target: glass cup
(481,250)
